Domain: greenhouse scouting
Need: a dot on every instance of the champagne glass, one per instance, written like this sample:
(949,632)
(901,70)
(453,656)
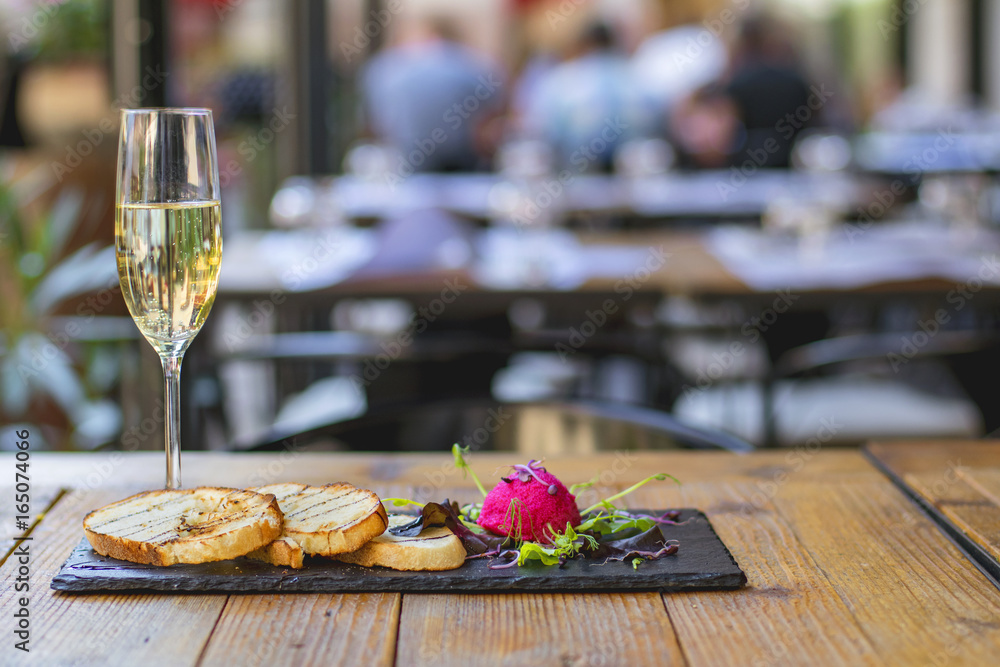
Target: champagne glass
(168,239)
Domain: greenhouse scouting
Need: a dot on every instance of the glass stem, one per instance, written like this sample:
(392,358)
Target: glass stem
(172,422)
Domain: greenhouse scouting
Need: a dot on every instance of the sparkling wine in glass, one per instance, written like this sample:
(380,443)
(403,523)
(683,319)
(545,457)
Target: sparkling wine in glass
(168,239)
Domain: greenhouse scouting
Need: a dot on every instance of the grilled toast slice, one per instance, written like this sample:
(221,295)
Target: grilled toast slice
(432,549)
(283,552)
(322,520)
(184,526)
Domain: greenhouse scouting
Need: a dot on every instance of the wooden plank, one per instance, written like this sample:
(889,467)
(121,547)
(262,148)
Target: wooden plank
(147,630)
(522,629)
(985,480)
(304,630)
(936,455)
(41,498)
(944,488)
(981,523)
(918,598)
(843,570)
(961,481)
(789,613)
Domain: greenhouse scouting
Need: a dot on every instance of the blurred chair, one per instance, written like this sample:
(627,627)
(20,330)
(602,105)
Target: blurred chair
(918,413)
(810,395)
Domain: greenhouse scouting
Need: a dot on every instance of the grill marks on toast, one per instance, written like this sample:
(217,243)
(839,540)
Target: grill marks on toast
(184,526)
(315,510)
(422,540)
(324,520)
(179,529)
(108,525)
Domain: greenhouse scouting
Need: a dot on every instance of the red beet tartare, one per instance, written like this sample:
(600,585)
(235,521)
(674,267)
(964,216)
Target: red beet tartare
(530,503)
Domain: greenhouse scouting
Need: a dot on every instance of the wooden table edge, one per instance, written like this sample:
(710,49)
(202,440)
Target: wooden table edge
(975,553)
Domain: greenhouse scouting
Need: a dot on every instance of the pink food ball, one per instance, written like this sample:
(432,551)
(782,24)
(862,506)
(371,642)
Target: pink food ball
(546,505)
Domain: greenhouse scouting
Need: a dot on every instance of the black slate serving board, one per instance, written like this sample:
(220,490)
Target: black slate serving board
(701,562)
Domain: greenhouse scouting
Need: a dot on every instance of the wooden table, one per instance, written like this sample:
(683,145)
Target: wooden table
(958,484)
(843,569)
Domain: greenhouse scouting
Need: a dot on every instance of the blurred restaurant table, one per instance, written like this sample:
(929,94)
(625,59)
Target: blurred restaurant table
(843,569)
(944,149)
(722,260)
(703,194)
(503,291)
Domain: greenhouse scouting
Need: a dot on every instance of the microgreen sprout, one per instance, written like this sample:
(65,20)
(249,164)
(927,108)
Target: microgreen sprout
(615,522)
(584,485)
(564,546)
(400,502)
(514,530)
(457,451)
(607,504)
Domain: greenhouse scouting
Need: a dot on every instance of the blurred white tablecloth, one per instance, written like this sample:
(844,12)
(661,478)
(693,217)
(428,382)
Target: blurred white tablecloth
(852,256)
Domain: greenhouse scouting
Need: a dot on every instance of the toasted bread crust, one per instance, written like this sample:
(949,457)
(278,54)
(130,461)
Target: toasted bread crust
(283,552)
(434,549)
(316,535)
(236,523)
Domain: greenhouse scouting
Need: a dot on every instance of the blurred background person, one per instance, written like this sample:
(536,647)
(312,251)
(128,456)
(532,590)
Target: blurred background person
(672,64)
(770,93)
(704,128)
(589,105)
(432,98)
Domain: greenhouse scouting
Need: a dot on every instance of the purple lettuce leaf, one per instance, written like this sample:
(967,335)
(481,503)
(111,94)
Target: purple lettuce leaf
(648,545)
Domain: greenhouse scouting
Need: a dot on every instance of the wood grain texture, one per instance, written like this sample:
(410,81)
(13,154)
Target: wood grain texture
(843,569)
(984,480)
(41,497)
(936,455)
(789,613)
(304,630)
(918,598)
(960,480)
(520,629)
(147,630)
(981,523)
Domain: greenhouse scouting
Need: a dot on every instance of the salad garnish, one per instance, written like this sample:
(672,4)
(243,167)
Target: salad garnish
(519,521)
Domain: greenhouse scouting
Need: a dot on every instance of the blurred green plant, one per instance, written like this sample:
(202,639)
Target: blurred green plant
(42,385)
(73,29)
